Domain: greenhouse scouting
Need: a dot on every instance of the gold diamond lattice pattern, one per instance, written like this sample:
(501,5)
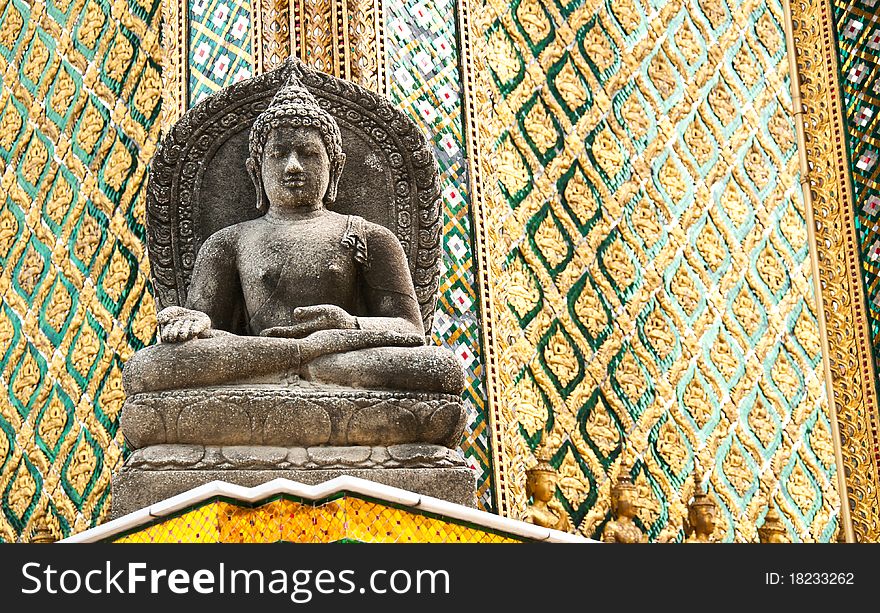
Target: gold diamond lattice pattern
(344,519)
(648,261)
(79,110)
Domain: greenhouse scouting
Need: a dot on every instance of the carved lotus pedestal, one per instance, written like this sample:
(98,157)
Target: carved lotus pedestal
(304,432)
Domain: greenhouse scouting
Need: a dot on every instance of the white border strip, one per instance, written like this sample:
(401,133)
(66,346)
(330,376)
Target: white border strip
(345,483)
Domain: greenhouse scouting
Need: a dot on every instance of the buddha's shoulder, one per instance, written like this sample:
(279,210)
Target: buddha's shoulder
(227,239)
(377,233)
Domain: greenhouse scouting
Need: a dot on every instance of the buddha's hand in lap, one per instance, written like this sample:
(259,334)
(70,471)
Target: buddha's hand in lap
(309,319)
(177,324)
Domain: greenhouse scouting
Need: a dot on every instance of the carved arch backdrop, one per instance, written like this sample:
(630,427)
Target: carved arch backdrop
(627,252)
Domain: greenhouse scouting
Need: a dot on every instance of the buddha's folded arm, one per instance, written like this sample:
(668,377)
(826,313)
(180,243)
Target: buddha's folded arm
(354,358)
(215,288)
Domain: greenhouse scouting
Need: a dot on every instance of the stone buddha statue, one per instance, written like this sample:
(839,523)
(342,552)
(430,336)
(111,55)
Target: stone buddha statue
(293,333)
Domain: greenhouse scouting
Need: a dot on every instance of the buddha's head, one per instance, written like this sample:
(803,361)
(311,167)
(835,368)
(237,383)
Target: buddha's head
(296,153)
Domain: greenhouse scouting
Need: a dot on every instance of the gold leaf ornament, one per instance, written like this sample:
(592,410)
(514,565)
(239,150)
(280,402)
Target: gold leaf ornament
(86,349)
(9,127)
(502,57)
(12,25)
(117,167)
(630,377)
(659,333)
(60,200)
(533,19)
(697,402)
(91,126)
(711,246)
(523,293)
(512,172)
(608,153)
(601,429)
(551,243)
(619,264)
(598,48)
(31,270)
(539,127)
(530,409)
(671,446)
(63,92)
(771,269)
(722,356)
(23,490)
(149,91)
(579,197)
(662,75)
(59,306)
(82,466)
(35,161)
(588,308)
(118,57)
(560,358)
(37,59)
(91,25)
(570,87)
(53,422)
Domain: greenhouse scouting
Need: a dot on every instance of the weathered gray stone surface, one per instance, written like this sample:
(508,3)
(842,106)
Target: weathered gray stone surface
(134,489)
(291,416)
(198,457)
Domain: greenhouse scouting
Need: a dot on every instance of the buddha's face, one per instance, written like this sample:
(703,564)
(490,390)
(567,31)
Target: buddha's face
(296,168)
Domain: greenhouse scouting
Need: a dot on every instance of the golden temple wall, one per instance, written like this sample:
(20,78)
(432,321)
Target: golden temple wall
(648,283)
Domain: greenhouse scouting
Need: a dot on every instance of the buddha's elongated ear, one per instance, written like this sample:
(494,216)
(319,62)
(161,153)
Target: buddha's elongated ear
(254,172)
(337,164)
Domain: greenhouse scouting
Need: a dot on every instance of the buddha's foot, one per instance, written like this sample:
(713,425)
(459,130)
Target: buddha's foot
(351,358)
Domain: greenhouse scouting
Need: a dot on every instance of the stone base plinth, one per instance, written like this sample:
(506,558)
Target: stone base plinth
(301,414)
(133,489)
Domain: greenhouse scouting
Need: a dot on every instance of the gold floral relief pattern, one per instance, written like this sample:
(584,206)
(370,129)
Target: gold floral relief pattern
(79,120)
(647,285)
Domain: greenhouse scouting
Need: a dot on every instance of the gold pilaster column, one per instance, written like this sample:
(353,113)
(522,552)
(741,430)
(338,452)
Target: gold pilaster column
(344,38)
(834,245)
(175,34)
(271,33)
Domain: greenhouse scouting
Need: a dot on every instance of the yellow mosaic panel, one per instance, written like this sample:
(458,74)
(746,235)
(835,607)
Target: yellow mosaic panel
(201,525)
(373,522)
(79,121)
(648,294)
(291,521)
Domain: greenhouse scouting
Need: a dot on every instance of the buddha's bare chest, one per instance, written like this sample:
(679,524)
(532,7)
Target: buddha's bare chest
(300,266)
